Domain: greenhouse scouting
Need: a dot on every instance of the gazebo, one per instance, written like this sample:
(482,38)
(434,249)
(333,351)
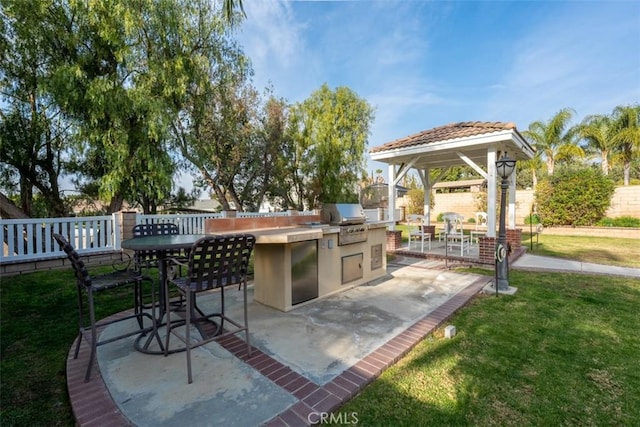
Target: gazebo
(476,144)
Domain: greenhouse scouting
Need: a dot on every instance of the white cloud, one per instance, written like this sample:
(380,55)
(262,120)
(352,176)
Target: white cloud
(271,31)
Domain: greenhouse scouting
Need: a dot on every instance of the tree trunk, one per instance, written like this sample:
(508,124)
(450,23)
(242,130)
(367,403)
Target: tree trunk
(116,204)
(605,163)
(235,199)
(627,169)
(26,196)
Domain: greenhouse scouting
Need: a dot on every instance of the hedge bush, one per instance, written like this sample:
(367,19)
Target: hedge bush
(621,221)
(574,197)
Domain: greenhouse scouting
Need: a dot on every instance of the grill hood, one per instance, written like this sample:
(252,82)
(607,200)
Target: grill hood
(342,213)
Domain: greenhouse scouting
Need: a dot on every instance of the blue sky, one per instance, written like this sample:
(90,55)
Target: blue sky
(423,64)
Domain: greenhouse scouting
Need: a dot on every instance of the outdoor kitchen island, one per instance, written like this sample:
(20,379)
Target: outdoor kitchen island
(295,265)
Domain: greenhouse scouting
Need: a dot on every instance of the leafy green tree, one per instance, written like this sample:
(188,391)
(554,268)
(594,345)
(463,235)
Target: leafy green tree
(626,138)
(268,159)
(598,130)
(33,132)
(533,165)
(123,67)
(329,135)
(415,203)
(555,140)
(216,126)
(126,72)
(574,196)
(181,199)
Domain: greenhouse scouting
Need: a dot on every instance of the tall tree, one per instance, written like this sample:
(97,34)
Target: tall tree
(127,71)
(534,165)
(555,139)
(215,126)
(329,131)
(258,178)
(598,131)
(626,138)
(33,132)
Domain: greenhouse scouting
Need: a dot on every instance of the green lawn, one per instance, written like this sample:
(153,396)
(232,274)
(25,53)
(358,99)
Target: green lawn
(601,250)
(563,350)
(38,325)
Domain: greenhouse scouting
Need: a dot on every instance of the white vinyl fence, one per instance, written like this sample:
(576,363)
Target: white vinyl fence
(29,239)
(187,223)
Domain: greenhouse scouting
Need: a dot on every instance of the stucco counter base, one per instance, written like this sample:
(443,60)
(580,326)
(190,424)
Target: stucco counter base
(274,255)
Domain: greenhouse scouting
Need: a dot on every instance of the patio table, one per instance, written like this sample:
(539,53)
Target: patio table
(163,244)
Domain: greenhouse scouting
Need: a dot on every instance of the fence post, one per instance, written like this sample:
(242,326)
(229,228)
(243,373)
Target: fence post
(127,220)
(117,231)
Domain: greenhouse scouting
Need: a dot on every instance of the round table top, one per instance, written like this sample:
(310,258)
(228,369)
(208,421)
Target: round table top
(162,242)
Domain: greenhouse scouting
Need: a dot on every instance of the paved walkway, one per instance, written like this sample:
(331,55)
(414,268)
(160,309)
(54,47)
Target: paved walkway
(305,362)
(538,262)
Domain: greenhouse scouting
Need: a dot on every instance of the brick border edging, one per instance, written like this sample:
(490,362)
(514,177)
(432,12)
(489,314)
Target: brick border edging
(92,403)
(314,399)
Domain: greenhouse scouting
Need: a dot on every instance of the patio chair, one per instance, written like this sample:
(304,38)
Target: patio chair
(452,225)
(481,226)
(416,231)
(454,232)
(214,262)
(92,284)
(149,258)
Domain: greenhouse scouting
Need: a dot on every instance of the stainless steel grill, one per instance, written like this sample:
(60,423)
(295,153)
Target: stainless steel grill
(351,219)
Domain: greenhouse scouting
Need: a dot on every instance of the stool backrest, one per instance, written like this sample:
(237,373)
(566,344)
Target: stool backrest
(82,275)
(155,229)
(219,260)
(149,258)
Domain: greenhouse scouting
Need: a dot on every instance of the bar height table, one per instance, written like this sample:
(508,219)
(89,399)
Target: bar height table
(162,244)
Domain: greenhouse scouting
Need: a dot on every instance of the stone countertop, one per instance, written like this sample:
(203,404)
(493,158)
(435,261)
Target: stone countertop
(285,234)
(379,224)
(301,233)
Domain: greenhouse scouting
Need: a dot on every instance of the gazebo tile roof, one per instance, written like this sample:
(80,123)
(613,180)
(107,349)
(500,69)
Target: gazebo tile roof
(445,133)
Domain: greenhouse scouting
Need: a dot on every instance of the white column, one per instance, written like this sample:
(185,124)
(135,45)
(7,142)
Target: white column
(491,192)
(427,194)
(392,197)
(511,223)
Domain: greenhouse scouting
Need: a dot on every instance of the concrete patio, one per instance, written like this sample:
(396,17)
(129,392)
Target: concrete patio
(304,362)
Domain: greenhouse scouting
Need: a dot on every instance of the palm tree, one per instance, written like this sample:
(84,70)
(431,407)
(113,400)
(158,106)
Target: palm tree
(626,138)
(553,140)
(598,130)
(533,164)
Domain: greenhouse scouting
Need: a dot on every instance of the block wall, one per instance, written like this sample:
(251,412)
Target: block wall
(625,202)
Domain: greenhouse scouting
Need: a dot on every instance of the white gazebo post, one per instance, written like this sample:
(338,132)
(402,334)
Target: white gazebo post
(512,200)
(426,184)
(392,196)
(491,192)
